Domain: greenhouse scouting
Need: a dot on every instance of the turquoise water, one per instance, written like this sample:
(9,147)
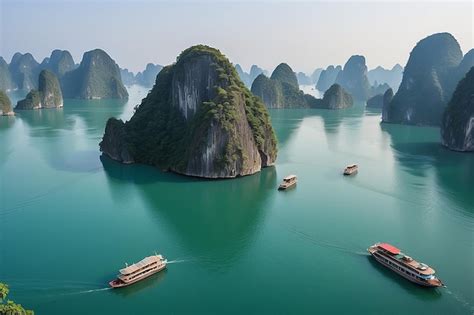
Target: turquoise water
(70,219)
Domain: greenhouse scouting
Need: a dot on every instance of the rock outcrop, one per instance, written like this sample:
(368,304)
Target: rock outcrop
(48,86)
(428,82)
(128,78)
(457,128)
(327,78)
(380,75)
(336,98)
(198,120)
(387,99)
(353,78)
(31,101)
(24,71)
(281,90)
(48,95)
(5,105)
(97,77)
(60,62)
(147,77)
(284,74)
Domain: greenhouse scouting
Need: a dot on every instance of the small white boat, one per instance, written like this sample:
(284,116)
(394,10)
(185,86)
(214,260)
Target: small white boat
(351,169)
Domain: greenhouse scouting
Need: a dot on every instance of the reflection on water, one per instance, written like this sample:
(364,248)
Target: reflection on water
(408,286)
(143,285)
(215,220)
(419,152)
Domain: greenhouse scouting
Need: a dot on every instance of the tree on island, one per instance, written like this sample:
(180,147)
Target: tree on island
(8,307)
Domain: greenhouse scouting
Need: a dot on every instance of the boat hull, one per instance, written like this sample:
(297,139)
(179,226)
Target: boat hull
(117,283)
(429,283)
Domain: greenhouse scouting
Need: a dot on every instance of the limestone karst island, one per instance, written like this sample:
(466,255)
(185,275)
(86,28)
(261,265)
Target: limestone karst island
(216,157)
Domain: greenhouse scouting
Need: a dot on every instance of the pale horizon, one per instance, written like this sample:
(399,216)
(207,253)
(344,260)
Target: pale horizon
(306,35)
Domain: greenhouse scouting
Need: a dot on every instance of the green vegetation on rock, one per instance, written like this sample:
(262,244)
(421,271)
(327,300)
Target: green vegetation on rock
(51,96)
(284,74)
(97,77)
(198,120)
(8,307)
(31,101)
(429,79)
(336,98)
(48,94)
(281,90)
(457,128)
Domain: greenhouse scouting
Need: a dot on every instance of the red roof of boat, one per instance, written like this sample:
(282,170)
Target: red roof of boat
(389,248)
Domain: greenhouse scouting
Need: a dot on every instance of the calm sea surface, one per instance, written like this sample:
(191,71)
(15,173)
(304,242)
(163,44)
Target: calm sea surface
(70,219)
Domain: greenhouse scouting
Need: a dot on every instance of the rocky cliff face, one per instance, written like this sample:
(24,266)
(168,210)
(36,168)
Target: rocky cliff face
(6,81)
(48,94)
(428,82)
(327,78)
(353,78)
(457,128)
(336,98)
(97,77)
(24,71)
(387,99)
(50,90)
(5,105)
(198,120)
(59,62)
(269,92)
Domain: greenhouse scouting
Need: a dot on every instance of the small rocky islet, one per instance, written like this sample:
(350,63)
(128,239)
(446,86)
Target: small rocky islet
(199,120)
(48,95)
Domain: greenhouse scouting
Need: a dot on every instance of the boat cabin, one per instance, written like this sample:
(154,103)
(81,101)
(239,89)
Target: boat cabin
(288,182)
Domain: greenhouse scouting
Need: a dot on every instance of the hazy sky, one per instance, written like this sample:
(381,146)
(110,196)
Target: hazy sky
(306,35)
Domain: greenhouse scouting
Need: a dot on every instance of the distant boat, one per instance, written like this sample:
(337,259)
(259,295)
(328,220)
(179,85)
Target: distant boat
(139,271)
(351,169)
(392,258)
(288,182)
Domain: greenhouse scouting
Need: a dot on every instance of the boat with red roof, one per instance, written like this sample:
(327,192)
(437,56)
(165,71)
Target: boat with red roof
(392,258)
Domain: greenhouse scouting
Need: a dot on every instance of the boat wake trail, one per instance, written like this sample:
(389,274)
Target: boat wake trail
(321,243)
(460,299)
(176,261)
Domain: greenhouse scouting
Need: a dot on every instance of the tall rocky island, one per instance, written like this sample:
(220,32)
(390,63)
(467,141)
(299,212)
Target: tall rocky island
(198,120)
(457,128)
(353,78)
(97,77)
(434,68)
(48,94)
